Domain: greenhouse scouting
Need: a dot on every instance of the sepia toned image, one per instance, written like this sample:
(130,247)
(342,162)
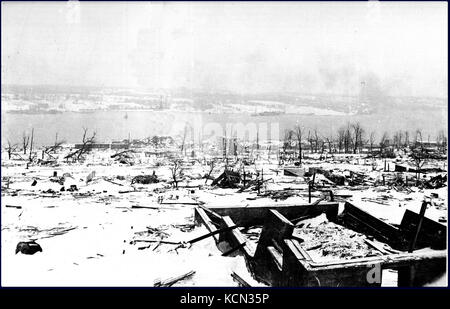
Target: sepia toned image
(224,144)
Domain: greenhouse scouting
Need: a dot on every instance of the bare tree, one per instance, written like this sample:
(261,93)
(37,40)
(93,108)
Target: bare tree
(311,141)
(211,165)
(442,141)
(85,146)
(384,143)
(371,141)
(358,137)
(31,144)
(25,142)
(322,148)
(398,139)
(330,143)
(10,149)
(183,147)
(340,138)
(418,156)
(348,139)
(176,172)
(418,141)
(299,135)
(57,145)
(287,143)
(257,139)
(316,141)
(406,139)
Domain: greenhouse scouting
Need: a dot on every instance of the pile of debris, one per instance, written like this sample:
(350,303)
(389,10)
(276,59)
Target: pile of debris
(228,179)
(279,195)
(124,157)
(327,241)
(436,182)
(145,179)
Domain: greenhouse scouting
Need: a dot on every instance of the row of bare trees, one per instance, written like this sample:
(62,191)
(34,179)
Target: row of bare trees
(353,138)
(349,139)
(27,145)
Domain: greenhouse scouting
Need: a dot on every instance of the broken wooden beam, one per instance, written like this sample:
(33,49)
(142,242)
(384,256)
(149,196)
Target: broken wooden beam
(423,208)
(361,221)
(235,238)
(255,215)
(171,281)
(433,234)
(239,279)
(13,206)
(200,217)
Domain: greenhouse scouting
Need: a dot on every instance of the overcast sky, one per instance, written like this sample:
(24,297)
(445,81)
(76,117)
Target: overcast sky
(392,48)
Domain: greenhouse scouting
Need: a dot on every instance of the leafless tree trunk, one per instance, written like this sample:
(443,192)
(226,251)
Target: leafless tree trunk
(384,142)
(10,149)
(287,143)
(31,144)
(330,143)
(176,172)
(340,138)
(406,140)
(56,146)
(316,141)
(371,140)
(85,146)
(419,160)
(348,140)
(442,141)
(322,148)
(311,141)
(418,141)
(398,139)
(299,135)
(184,140)
(211,164)
(25,142)
(357,135)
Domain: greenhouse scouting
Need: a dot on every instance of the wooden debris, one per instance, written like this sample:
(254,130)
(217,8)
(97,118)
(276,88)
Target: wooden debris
(171,281)
(239,279)
(13,206)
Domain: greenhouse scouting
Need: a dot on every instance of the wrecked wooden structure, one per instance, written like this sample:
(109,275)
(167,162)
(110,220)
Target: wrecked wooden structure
(281,259)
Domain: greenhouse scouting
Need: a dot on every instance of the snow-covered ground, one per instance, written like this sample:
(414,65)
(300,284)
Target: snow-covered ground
(101,223)
(87,235)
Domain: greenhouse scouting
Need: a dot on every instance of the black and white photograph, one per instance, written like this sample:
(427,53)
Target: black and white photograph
(224,144)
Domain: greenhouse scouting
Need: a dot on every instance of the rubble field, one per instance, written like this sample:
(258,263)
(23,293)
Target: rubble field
(127,218)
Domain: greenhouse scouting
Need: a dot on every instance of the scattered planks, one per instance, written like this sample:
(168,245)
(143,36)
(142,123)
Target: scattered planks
(150,207)
(13,206)
(113,182)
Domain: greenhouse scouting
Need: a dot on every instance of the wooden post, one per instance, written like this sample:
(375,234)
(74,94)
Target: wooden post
(262,177)
(419,226)
(331,196)
(309,191)
(384,180)
(31,144)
